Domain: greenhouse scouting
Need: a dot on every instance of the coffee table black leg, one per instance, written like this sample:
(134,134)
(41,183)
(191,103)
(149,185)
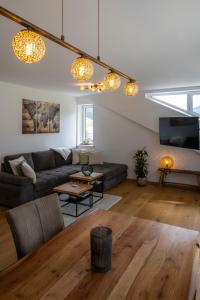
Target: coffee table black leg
(76,203)
(98,198)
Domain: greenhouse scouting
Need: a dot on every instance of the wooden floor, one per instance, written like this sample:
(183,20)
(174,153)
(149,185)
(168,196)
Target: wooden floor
(163,204)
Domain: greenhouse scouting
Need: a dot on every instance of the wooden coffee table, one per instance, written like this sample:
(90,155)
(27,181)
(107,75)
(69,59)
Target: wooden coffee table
(77,192)
(150,260)
(95,179)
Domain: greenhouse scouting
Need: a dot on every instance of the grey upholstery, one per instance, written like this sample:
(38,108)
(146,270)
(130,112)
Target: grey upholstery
(50,215)
(48,179)
(51,170)
(34,223)
(15,180)
(26,228)
(44,160)
(59,160)
(110,170)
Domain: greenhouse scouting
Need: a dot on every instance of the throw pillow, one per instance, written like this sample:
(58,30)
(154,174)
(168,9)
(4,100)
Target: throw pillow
(75,156)
(64,152)
(19,169)
(96,158)
(28,171)
(14,163)
(84,158)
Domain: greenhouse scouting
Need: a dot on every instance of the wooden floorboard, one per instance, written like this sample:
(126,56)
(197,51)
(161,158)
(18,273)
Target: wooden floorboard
(163,204)
(169,205)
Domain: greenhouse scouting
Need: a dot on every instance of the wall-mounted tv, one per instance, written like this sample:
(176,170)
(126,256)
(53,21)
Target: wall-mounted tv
(180,132)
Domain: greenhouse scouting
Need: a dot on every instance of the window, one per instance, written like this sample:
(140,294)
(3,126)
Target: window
(177,100)
(196,104)
(185,101)
(85,124)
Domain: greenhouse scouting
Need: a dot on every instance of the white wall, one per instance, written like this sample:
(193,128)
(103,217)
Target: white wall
(11,138)
(123,125)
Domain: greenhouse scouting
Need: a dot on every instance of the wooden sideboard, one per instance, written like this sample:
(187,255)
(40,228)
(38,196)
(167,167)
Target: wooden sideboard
(164,172)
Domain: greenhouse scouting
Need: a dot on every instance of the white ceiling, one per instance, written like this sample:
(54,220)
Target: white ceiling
(157,42)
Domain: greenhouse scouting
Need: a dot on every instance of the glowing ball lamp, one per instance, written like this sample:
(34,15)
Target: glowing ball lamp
(131,89)
(112,81)
(82,69)
(167,162)
(28,46)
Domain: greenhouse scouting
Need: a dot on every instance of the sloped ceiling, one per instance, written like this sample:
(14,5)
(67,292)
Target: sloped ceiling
(157,42)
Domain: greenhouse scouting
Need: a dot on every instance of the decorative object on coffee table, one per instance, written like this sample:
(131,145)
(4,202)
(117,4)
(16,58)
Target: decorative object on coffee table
(101,249)
(141,166)
(87,170)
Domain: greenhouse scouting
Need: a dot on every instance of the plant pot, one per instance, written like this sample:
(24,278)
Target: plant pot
(142,181)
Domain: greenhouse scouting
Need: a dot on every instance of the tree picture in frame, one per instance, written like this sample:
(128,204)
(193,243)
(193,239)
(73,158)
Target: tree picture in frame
(29,116)
(40,117)
(54,117)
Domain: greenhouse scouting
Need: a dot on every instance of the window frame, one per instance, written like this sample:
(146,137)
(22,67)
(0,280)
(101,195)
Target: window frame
(82,124)
(189,111)
(192,94)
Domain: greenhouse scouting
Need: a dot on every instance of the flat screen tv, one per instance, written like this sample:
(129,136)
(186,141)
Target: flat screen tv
(180,132)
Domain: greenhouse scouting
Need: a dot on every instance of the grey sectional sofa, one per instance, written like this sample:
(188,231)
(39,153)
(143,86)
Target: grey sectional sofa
(51,170)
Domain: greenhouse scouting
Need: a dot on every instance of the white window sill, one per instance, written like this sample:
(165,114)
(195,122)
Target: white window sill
(78,146)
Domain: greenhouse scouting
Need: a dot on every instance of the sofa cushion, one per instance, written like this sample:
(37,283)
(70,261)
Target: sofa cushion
(44,160)
(28,171)
(45,182)
(75,156)
(96,158)
(69,169)
(50,178)
(27,156)
(83,158)
(15,165)
(59,160)
(110,170)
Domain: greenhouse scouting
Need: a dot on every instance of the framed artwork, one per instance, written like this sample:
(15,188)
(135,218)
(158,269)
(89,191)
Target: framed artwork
(29,116)
(40,117)
(54,117)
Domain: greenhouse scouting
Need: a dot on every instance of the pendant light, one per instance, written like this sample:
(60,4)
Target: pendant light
(82,69)
(131,89)
(28,46)
(112,81)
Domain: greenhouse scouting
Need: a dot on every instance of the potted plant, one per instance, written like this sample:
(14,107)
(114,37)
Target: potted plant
(141,166)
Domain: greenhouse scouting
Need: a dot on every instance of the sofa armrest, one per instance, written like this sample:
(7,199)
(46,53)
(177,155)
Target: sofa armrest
(14,180)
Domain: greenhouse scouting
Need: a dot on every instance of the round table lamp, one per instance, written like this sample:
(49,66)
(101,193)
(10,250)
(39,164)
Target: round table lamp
(167,162)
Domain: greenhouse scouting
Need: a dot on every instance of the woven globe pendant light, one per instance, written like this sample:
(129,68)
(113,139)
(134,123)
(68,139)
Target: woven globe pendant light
(82,69)
(28,46)
(131,89)
(112,81)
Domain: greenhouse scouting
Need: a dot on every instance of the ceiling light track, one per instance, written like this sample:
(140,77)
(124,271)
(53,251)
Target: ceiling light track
(19,20)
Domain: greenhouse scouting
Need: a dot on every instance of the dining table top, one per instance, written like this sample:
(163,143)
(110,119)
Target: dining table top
(150,260)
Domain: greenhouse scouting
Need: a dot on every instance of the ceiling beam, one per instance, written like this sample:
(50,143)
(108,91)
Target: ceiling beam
(19,20)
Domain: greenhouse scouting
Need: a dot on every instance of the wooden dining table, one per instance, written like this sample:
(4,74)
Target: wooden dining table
(150,261)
